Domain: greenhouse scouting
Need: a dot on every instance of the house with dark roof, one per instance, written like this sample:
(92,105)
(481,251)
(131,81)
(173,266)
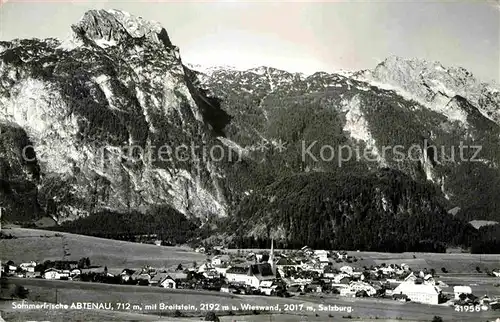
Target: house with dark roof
(286,262)
(127,274)
(252,275)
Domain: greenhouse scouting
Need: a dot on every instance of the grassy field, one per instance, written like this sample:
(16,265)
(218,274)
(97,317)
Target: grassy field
(68,292)
(40,245)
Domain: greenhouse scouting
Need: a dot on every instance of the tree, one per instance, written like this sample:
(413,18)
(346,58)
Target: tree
(210,316)
(195,264)
(478,269)
(105,270)
(82,263)
(433,271)
(87,262)
(179,267)
(444,270)
(437,319)
(21,292)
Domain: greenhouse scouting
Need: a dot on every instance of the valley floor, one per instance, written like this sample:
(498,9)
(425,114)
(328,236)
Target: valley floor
(40,245)
(69,292)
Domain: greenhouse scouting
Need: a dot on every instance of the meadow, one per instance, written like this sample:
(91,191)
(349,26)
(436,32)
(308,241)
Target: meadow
(68,292)
(41,245)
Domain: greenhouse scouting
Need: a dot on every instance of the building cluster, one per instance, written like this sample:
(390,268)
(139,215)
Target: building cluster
(294,273)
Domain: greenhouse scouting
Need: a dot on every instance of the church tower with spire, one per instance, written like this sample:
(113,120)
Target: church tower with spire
(271,257)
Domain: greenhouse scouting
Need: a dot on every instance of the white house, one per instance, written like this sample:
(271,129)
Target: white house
(52,274)
(347,292)
(361,286)
(429,279)
(422,293)
(211,274)
(28,267)
(163,280)
(388,270)
(347,269)
(10,268)
(329,272)
(220,260)
(126,274)
(221,270)
(457,290)
(321,255)
(410,278)
(239,275)
(267,287)
(205,267)
(251,276)
(167,280)
(341,278)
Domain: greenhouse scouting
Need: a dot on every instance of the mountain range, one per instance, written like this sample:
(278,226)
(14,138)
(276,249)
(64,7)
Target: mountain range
(111,122)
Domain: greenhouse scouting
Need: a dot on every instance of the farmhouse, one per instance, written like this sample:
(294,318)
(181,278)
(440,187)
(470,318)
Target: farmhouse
(238,275)
(347,292)
(347,269)
(127,274)
(52,274)
(28,267)
(267,287)
(211,274)
(166,281)
(422,293)
(205,267)
(361,286)
(285,262)
(329,272)
(342,279)
(220,260)
(411,278)
(457,290)
(251,275)
(140,275)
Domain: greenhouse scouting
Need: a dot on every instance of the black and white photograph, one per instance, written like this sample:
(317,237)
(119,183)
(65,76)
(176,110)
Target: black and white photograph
(247,161)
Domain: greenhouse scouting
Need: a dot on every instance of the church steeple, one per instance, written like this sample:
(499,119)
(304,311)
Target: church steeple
(271,257)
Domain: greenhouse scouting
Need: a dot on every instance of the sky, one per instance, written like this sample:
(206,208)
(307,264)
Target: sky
(296,36)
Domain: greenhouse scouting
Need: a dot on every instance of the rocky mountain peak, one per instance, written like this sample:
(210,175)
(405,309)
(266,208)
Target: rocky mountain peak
(110,27)
(435,85)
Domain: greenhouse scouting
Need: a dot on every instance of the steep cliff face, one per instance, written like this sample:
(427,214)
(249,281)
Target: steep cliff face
(97,109)
(111,120)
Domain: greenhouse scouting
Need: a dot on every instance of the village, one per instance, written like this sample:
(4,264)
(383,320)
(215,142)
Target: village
(300,273)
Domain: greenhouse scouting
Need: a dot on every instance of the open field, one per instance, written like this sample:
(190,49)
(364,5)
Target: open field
(71,291)
(40,245)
